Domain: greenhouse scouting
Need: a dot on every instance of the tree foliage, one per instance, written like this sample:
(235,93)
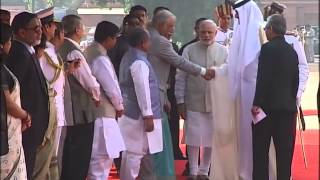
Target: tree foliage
(71,4)
(186,11)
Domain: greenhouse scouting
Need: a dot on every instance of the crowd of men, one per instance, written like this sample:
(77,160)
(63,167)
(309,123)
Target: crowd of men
(70,114)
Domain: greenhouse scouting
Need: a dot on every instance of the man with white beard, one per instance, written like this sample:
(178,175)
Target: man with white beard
(193,94)
(242,72)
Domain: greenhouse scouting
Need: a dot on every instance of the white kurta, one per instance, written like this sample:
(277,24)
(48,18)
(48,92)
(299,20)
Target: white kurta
(107,139)
(133,130)
(109,135)
(198,129)
(138,141)
(198,125)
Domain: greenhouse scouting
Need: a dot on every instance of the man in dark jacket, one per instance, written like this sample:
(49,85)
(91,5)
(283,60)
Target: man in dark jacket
(276,89)
(34,97)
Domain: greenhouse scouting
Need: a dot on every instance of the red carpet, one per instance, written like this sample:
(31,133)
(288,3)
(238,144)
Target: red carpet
(311,141)
(310,112)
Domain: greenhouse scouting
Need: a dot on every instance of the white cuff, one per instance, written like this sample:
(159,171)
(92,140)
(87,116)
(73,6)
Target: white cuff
(203,71)
(147,112)
(180,101)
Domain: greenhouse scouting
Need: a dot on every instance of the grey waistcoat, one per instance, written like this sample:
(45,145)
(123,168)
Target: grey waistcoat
(80,110)
(131,105)
(105,109)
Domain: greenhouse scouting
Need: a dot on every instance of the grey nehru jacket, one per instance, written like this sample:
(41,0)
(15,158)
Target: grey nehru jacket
(78,103)
(105,109)
(197,91)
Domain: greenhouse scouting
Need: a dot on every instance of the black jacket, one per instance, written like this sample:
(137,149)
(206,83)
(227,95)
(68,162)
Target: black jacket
(4,146)
(33,92)
(117,52)
(278,77)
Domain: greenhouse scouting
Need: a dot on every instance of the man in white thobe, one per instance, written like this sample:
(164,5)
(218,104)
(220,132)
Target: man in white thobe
(242,72)
(141,124)
(107,139)
(193,93)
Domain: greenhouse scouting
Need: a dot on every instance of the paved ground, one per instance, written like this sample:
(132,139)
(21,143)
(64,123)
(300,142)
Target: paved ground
(309,99)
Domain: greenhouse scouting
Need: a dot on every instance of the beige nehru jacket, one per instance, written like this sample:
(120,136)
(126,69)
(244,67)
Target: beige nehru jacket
(194,91)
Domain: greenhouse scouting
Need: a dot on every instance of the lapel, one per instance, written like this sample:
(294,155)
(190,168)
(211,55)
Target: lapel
(36,63)
(43,82)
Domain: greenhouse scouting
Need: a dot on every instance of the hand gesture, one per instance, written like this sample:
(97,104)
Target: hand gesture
(148,123)
(119,113)
(26,123)
(182,110)
(97,103)
(210,74)
(167,107)
(255,110)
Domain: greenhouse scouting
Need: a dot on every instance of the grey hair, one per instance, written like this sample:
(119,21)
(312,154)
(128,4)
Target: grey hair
(161,17)
(278,24)
(70,24)
(209,21)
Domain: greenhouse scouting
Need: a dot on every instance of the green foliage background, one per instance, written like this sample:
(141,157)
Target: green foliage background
(186,11)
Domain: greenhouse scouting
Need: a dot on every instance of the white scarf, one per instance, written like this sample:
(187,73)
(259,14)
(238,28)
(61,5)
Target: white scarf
(245,45)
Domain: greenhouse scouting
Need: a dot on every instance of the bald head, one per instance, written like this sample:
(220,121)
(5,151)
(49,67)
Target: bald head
(164,21)
(207,31)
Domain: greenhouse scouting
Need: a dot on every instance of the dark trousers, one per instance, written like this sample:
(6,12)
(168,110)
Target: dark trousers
(77,151)
(175,131)
(174,124)
(280,126)
(30,157)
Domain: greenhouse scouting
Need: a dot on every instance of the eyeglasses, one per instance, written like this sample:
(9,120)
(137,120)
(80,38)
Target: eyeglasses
(34,29)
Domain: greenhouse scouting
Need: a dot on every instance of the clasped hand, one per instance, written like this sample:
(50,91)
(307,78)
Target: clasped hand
(210,74)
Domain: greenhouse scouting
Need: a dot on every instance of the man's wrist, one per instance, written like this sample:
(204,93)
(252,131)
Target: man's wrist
(180,101)
(147,117)
(25,117)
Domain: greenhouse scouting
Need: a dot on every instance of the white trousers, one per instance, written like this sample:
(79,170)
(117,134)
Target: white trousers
(130,163)
(205,160)
(107,144)
(99,168)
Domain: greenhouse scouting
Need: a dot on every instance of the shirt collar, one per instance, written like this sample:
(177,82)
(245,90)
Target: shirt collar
(73,42)
(30,48)
(139,51)
(49,44)
(100,48)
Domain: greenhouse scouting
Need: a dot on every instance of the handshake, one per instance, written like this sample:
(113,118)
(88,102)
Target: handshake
(210,74)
